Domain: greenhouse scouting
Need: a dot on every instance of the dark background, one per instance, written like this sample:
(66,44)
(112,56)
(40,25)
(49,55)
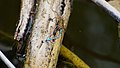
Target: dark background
(91,34)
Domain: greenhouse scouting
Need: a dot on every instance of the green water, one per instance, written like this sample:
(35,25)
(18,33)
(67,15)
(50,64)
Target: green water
(91,33)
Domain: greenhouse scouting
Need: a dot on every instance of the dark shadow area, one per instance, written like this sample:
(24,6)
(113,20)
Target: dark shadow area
(9,16)
(93,35)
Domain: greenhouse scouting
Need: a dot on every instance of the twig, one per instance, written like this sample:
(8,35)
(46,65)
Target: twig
(110,9)
(66,53)
(6,35)
(6,61)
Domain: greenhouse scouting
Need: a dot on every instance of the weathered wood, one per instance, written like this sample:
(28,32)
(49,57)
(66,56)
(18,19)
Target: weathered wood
(42,25)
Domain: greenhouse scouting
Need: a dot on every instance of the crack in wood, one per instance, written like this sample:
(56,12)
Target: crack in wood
(62,7)
(49,23)
(22,42)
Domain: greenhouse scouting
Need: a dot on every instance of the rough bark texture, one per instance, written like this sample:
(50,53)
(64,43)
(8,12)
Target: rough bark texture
(41,29)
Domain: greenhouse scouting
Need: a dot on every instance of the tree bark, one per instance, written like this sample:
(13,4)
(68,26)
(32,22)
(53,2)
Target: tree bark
(40,31)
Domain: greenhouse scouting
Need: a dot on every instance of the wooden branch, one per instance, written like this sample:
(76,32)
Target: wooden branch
(66,53)
(42,23)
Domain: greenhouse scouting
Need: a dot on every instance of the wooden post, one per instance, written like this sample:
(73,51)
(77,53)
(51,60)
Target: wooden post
(40,31)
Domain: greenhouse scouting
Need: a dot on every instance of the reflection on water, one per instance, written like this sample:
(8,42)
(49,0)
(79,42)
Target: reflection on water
(91,33)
